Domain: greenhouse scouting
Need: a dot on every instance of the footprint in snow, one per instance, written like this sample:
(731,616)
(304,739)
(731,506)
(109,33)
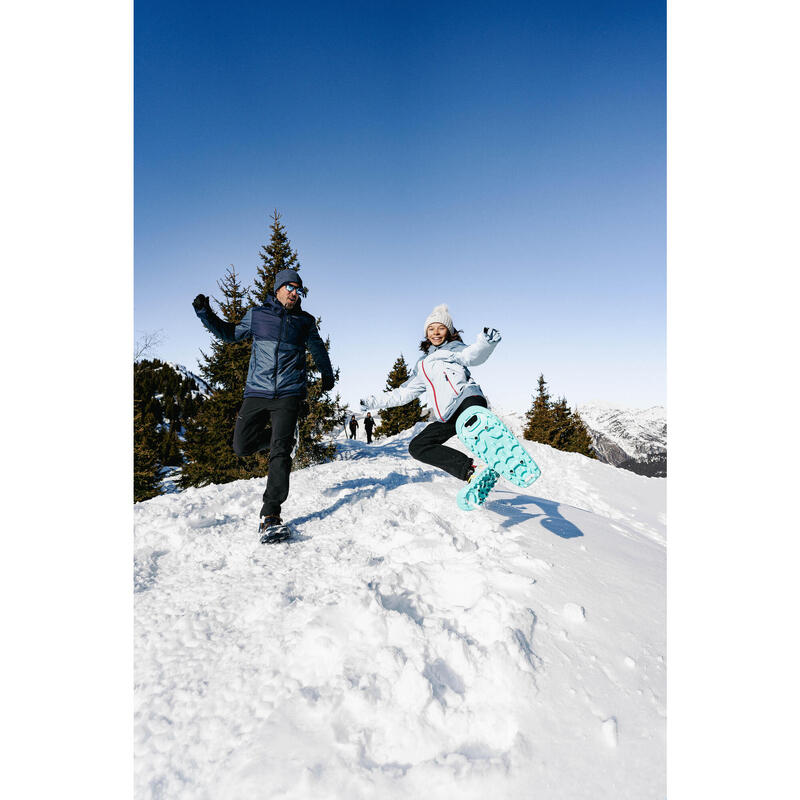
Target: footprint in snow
(610,732)
(574,613)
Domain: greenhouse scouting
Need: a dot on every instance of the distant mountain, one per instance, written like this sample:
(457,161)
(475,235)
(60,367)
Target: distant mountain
(203,387)
(630,438)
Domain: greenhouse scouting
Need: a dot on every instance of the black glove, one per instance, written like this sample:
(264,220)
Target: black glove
(200,302)
(327,383)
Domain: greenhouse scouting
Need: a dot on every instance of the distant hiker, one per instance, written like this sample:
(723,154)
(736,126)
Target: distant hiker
(369,424)
(276,380)
(353,426)
(443,372)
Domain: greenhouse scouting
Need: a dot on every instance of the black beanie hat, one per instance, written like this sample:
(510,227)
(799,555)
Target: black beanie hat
(289,276)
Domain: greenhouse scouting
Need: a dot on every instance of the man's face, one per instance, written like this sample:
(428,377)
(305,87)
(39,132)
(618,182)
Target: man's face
(288,295)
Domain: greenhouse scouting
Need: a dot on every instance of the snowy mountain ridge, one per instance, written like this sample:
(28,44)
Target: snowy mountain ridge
(630,438)
(204,388)
(399,647)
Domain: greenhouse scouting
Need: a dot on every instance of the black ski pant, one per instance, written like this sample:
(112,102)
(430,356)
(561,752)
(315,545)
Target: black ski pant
(369,435)
(269,424)
(428,446)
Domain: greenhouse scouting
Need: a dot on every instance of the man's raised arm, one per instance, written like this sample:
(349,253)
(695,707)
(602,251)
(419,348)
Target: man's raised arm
(227,331)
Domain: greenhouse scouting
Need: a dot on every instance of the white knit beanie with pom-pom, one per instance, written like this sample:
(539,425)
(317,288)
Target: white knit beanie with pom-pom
(440,314)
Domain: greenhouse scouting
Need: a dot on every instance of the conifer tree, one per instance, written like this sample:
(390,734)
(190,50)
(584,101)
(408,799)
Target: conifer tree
(276,255)
(154,411)
(146,478)
(579,440)
(539,416)
(209,436)
(226,367)
(400,418)
(319,415)
(556,424)
(170,454)
(560,424)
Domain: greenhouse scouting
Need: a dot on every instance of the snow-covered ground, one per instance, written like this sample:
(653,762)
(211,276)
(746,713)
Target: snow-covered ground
(400,647)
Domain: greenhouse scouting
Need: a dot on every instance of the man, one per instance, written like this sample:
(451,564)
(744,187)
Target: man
(353,426)
(276,382)
(369,424)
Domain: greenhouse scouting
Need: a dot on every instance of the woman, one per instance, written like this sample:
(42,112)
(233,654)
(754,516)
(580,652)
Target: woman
(443,372)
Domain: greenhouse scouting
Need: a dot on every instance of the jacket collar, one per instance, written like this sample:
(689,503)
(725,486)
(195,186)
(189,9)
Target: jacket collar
(446,346)
(276,305)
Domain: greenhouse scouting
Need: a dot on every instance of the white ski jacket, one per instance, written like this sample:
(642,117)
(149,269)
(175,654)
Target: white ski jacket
(444,374)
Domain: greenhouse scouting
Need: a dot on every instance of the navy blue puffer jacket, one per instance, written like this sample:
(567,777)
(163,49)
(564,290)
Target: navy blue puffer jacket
(278,358)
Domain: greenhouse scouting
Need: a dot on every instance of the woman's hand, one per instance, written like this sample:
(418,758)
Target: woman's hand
(492,334)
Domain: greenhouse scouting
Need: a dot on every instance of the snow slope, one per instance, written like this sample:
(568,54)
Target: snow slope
(399,647)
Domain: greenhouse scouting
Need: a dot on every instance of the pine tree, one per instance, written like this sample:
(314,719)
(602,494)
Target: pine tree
(579,440)
(146,478)
(226,367)
(170,454)
(276,255)
(319,415)
(539,416)
(560,424)
(556,424)
(207,448)
(154,411)
(400,418)
(163,407)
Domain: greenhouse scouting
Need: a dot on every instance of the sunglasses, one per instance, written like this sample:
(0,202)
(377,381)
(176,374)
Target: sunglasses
(292,289)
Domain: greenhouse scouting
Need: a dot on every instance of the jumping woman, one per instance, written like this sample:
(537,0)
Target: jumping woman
(443,372)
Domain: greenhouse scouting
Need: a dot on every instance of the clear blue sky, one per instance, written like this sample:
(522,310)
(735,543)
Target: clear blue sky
(507,159)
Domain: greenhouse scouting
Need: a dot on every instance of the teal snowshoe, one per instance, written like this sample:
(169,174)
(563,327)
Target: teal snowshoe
(488,438)
(474,494)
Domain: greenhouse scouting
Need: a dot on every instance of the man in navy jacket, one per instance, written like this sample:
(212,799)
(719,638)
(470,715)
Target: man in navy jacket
(276,379)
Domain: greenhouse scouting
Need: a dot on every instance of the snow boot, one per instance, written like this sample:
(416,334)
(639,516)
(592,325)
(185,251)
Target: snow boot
(479,484)
(272,529)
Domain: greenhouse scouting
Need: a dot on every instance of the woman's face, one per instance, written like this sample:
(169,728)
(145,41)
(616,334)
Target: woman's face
(437,333)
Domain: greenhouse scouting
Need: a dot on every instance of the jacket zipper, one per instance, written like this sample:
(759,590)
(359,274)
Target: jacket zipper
(450,382)
(277,347)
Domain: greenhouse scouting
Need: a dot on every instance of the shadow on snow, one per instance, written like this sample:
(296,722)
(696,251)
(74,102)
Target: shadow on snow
(365,488)
(515,510)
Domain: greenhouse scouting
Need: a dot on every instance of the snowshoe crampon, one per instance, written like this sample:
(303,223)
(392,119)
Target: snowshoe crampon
(474,494)
(488,438)
(272,530)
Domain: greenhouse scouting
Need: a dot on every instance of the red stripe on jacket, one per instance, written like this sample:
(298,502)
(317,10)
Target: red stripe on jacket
(435,401)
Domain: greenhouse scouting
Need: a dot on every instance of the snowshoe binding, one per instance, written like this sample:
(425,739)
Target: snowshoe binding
(272,530)
(479,484)
(488,438)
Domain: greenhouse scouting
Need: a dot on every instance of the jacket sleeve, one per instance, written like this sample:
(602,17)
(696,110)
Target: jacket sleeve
(477,352)
(409,391)
(227,331)
(318,352)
